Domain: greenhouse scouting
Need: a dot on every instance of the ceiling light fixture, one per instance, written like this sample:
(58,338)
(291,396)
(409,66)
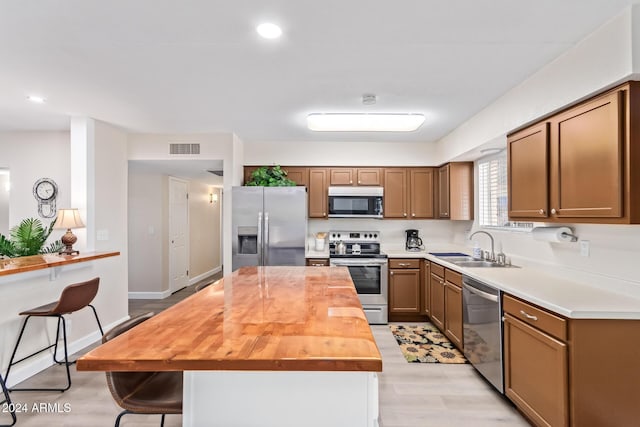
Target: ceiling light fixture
(358,122)
(269,30)
(36,99)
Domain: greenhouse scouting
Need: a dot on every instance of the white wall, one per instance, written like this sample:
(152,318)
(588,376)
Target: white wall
(146,222)
(218,146)
(204,230)
(5,189)
(603,59)
(307,153)
(104,159)
(29,157)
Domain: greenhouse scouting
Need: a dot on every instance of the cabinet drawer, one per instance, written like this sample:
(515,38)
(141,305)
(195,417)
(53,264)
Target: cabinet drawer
(318,262)
(437,269)
(537,317)
(453,277)
(404,263)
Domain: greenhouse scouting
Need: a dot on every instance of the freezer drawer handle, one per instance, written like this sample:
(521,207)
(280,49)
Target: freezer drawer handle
(528,316)
(482,294)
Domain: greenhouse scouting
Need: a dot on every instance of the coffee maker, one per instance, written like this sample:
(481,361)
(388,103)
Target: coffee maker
(413,243)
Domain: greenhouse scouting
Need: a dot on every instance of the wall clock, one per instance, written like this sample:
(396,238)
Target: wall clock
(45,190)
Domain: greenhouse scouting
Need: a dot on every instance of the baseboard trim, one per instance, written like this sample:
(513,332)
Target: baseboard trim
(149,295)
(37,364)
(196,279)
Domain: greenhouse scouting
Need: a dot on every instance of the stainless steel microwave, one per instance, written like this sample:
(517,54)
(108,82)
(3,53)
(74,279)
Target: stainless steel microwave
(355,202)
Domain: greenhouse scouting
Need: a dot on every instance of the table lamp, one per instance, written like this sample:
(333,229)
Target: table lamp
(68,218)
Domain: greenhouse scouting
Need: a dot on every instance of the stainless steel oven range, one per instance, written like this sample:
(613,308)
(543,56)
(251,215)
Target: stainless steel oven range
(360,252)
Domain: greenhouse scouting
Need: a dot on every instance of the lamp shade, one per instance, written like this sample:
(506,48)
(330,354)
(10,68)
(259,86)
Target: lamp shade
(68,218)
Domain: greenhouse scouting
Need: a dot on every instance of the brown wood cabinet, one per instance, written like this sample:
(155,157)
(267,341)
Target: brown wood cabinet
(405,290)
(298,174)
(453,307)
(587,160)
(396,203)
(355,176)
(436,294)
(317,262)
(455,191)
(426,296)
(408,193)
(528,172)
(559,373)
(318,198)
(536,363)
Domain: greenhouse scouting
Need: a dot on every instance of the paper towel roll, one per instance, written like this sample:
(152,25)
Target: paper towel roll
(552,234)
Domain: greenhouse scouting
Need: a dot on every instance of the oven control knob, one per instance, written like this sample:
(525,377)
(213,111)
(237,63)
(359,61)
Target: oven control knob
(375,236)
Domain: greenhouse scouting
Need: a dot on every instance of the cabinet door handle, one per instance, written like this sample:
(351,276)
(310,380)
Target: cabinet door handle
(324,214)
(553,211)
(317,265)
(391,273)
(413,214)
(405,214)
(403,264)
(350,182)
(528,316)
(541,211)
(359,181)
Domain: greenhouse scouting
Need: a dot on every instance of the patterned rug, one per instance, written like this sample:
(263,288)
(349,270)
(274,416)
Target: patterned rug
(425,344)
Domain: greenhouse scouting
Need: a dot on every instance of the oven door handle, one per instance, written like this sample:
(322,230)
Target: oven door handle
(357,263)
(482,294)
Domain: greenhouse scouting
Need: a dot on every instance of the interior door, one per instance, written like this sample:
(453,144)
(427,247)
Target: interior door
(178,234)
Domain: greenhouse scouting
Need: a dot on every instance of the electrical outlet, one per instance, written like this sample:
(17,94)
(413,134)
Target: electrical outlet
(584,247)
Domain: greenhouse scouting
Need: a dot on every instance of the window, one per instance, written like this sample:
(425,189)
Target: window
(492,189)
(493,209)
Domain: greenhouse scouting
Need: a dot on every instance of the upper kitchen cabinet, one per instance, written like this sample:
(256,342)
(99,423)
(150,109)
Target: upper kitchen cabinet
(528,172)
(355,176)
(408,193)
(585,159)
(396,202)
(318,198)
(455,191)
(299,175)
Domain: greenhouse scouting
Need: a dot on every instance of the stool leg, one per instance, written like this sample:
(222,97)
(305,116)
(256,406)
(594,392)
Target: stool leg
(55,347)
(162,421)
(8,401)
(95,313)
(66,355)
(15,349)
(122,414)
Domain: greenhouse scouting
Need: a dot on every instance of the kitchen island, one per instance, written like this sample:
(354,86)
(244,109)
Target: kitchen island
(266,346)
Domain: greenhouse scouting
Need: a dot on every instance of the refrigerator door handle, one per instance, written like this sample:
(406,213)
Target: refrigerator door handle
(259,248)
(266,238)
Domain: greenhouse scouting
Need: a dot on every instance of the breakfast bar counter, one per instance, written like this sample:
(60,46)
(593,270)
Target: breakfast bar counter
(280,346)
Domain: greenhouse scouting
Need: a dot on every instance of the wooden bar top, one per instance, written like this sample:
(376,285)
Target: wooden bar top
(38,262)
(257,319)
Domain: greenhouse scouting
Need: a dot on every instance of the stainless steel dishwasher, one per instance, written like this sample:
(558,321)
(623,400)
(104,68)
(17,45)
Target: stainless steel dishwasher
(482,317)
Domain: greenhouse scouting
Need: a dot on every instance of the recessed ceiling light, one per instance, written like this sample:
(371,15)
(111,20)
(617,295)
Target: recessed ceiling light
(36,99)
(269,30)
(357,122)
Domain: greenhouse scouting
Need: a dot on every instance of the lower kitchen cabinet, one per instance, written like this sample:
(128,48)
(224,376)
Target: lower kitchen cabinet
(453,307)
(426,295)
(436,293)
(405,290)
(536,379)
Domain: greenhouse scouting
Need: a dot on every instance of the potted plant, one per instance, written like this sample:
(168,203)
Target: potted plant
(270,177)
(28,238)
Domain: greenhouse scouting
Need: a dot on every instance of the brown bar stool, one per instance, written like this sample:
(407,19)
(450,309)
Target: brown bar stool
(144,392)
(7,400)
(73,298)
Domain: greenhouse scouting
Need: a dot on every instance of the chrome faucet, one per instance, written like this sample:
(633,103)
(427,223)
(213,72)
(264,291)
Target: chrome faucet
(492,256)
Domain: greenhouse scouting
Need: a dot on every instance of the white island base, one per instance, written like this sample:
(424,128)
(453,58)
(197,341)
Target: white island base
(280,399)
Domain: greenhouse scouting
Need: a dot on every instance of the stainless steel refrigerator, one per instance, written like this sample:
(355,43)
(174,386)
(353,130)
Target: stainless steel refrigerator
(269,226)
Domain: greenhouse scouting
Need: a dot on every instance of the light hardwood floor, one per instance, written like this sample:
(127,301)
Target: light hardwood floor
(411,394)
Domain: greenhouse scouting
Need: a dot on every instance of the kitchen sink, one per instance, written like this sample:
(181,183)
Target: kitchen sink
(474,263)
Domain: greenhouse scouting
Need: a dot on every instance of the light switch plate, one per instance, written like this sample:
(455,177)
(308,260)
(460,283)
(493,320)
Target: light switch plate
(584,247)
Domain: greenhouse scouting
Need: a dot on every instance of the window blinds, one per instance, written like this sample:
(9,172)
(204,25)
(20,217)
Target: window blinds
(492,189)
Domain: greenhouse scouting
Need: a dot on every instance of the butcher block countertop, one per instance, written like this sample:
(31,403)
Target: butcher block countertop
(258,318)
(38,262)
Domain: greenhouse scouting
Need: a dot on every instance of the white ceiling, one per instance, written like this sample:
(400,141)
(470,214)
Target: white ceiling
(196,66)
